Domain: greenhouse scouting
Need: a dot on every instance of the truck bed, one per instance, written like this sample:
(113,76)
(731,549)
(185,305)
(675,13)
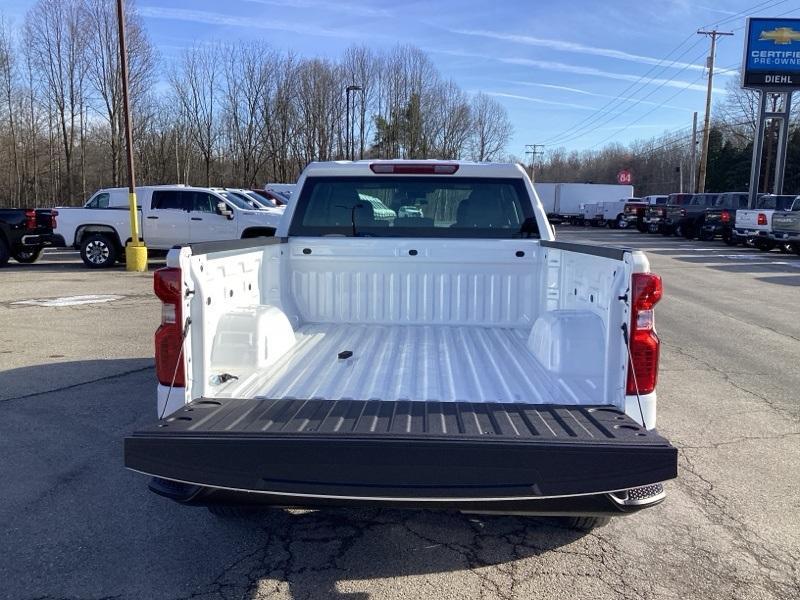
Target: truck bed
(404,362)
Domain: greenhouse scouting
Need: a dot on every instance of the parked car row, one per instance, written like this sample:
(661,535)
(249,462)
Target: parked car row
(774,222)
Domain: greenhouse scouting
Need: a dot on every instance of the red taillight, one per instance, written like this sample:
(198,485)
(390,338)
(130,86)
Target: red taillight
(169,335)
(725,217)
(30,220)
(53,220)
(413,169)
(762,219)
(644,344)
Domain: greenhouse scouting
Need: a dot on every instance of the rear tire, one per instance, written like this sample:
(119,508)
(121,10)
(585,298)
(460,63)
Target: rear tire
(730,239)
(3,253)
(27,257)
(224,511)
(98,251)
(666,230)
(796,248)
(586,523)
(764,245)
(621,222)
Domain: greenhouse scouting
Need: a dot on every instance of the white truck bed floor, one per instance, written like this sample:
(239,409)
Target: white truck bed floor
(408,362)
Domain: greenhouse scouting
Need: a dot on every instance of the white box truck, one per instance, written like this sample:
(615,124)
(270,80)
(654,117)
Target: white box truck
(566,201)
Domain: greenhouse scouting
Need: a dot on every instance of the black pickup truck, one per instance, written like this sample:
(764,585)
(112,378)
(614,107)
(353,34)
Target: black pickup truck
(690,224)
(24,233)
(718,219)
(672,213)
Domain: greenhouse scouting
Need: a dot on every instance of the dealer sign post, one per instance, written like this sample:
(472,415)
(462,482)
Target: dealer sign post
(771,65)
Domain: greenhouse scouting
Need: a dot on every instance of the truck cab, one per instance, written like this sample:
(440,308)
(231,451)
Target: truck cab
(456,356)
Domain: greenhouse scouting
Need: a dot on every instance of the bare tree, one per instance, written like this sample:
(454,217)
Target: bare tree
(103,70)
(491,128)
(8,100)
(57,39)
(196,87)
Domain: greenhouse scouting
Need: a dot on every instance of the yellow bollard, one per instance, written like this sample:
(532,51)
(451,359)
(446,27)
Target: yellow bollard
(136,257)
(135,250)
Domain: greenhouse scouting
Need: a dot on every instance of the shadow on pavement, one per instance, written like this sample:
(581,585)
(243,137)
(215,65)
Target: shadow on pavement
(788,280)
(87,527)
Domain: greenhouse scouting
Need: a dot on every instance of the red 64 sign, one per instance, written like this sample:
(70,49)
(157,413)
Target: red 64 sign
(624,177)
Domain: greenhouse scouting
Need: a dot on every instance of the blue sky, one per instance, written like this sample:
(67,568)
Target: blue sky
(551,64)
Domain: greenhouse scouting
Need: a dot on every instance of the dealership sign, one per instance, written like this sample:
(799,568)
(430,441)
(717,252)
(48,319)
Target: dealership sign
(772,54)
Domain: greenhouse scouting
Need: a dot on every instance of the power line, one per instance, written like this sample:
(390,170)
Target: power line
(621,95)
(745,12)
(636,103)
(606,109)
(648,113)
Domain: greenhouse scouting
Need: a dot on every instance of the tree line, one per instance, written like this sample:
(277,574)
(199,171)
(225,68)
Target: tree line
(220,114)
(663,164)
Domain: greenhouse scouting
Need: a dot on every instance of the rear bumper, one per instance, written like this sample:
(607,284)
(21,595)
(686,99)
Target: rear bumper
(786,236)
(416,454)
(43,239)
(749,233)
(608,504)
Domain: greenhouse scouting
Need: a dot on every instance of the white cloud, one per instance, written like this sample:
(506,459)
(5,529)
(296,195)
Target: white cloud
(212,18)
(580,70)
(594,72)
(573,90)
(539,100)
(567,46)
(361,10)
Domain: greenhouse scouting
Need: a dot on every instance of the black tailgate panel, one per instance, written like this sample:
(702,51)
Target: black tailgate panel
(402,449)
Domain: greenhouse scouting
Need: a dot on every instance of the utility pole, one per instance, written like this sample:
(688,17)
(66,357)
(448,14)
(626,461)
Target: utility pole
(135,251)
(701,176)
(533,151)
(693,167)
(349,137)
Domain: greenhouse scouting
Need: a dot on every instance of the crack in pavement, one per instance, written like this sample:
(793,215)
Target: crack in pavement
(79,384)
(726,377)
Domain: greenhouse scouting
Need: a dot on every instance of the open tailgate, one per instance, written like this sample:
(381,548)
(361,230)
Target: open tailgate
(401,450)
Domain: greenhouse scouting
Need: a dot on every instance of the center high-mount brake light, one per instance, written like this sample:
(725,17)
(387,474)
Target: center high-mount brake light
(413,169)
(762,219)
(169,335)
(644,344)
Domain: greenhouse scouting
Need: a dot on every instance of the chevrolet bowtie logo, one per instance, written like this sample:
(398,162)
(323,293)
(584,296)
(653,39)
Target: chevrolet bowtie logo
(780,35)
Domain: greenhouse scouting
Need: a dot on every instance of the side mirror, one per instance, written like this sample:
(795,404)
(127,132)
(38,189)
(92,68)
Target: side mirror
(224,210)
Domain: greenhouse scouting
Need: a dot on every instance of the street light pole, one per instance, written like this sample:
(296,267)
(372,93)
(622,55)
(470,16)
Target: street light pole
(135,250)
(349,138)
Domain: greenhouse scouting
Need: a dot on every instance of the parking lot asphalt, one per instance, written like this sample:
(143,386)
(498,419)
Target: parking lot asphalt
(75,378)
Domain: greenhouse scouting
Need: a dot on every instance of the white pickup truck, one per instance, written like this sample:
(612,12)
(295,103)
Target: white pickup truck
(456,356)
(755,225)
(168,216)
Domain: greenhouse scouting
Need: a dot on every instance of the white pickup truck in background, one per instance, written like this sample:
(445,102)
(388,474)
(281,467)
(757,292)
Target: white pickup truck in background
(169,215)
(451,355)
(755,225)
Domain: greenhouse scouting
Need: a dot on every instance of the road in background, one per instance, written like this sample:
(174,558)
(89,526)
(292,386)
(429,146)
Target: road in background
(75,379)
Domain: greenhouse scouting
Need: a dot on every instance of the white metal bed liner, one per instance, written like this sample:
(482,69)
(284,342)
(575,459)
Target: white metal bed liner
(413,362)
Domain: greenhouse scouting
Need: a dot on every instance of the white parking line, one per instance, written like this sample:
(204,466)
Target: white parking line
(71,300)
